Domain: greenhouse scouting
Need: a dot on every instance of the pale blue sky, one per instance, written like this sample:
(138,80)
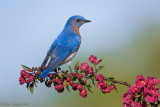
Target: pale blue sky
(28,28)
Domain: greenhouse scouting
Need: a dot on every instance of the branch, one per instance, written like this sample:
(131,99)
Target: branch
(119,82)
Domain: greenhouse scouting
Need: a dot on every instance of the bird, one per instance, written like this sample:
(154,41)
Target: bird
(65,46)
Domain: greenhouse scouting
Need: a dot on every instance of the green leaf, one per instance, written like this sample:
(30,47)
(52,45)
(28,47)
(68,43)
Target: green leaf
(101,67)
(77,63)
(93,81)
(142,99)
(92,78)
(25,68)
(88,87)
(65,72)
(68,88)
(110,79)
(61,76)
(31,87)
(65,84)
(115,88)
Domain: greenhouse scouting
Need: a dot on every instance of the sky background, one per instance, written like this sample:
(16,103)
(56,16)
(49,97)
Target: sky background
(125,34)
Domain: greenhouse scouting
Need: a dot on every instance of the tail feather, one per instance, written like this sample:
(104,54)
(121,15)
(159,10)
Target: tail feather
(54,63)
(45,73)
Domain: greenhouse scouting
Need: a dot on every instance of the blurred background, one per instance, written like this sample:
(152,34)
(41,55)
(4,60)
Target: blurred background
(124,33)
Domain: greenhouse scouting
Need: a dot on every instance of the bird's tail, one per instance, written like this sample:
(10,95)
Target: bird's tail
(45,73)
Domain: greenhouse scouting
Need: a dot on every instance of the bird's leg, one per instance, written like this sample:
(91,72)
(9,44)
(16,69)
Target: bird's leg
(69,63)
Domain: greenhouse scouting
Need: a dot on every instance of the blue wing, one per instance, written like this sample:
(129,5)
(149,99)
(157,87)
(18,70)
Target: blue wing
(62,47)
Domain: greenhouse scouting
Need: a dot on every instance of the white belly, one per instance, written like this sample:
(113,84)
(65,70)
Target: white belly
(70,57)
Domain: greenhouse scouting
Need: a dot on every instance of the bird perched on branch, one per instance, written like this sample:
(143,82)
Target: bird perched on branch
(65,46)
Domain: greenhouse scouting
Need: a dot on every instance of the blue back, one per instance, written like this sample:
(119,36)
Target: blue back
(64,45)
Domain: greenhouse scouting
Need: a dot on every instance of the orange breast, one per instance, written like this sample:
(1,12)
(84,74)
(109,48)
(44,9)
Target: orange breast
(76,29)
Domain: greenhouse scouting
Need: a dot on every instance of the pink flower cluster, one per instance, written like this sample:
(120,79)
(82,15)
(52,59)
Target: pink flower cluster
(25,77)
(59,84)
(93,60)
(85,66)
(87,70)
(144,91)
(102,85)
(60,79)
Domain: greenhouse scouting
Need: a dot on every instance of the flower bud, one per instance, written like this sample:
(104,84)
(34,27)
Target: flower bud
(106,90)
(84,66)
(68,79)
(83,93)
(76,67)
(60,81)
(54,80)
(31,78)
(27,81)
(90,70)
(74,86)
(74,74)
(99,77)
(80,76)
(70,82)
(79,87)
(26,75)
(30,70)
(50,75)
(21,80)
(23,73)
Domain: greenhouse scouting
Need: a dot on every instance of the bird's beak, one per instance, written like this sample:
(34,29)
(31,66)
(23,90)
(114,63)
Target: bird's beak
(85,21)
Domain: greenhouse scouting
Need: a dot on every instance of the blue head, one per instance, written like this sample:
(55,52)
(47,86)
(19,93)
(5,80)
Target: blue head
(75,22)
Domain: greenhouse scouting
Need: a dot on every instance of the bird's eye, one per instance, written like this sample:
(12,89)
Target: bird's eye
(78,20)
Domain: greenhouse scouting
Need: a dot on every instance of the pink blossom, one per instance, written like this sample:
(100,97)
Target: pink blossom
(68,79)
(99,77)
(146,88)
(79,87)
(86,73)
(60,81)
(133,89)
(83,93)
(127,99)
(151,95)
(140,81)
(21,80)
(70,82)
(112,87)
(106,90)
(101,85)
(26,75)
(84,66)
(54,80)
(80,76)
(74,74)
(74,86)
(50,75)
(27,81)
(76,67)
(31,78)
(90,70)
(135,104)
(93,60)
(151,81)
(59,88)
(149,99)
(23,73)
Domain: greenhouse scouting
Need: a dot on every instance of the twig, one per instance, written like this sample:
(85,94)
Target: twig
(119,82)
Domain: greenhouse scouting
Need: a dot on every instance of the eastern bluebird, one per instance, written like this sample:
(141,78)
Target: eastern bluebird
(65,46)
